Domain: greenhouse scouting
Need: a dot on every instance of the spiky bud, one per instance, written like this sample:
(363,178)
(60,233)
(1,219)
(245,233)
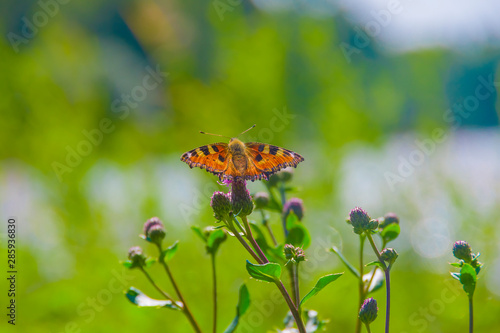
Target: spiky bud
(294,205)
(154,231)
(295,254)
(463,251)
(240,197)
(299,254)
(389,255)
(261,200)
(388,219)
(136,257)
(221,205)
(360,221)
(368,311)
(289,251)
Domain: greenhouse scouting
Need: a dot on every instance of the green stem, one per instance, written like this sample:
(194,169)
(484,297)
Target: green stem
(361,285)
(293,309)
(268,227)
(185,309)
(252,240)
(368,328)
(471,316)
(283,200)
(167,296)
(296,284)
(214,279)
(387,281)
(242,241)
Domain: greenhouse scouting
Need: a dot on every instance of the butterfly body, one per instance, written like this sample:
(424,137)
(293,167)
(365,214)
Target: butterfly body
(251,161)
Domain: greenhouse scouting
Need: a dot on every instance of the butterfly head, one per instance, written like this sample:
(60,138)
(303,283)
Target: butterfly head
(236,147)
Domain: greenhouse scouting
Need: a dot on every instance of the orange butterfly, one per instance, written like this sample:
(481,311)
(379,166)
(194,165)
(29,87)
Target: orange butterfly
(251,160)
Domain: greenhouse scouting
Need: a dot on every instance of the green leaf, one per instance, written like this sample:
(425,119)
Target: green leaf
(376,263)
(297,232)
(269,272)
(241,308)
(457,264)
(291,220)
(216,238)
(322,282)
(377,282)
(149,262)
(456,276)
(391,232)
(259,236)
(169,252)
(127,263)
(140,299)
(197,230)
(350,267)
(468,279)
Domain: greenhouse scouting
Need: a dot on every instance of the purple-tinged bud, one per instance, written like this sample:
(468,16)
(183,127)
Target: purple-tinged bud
(221,205)
(294,205)
(463,251)
(388,219)
(389,255)
(360,220)
(289,251)
(154,231)
(299,254)
(240,197)
(150,223)
(261,200)
(136,257)
(368,311)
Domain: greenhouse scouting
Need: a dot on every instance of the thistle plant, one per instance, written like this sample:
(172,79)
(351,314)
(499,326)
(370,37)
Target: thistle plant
(469,270)
(387,228)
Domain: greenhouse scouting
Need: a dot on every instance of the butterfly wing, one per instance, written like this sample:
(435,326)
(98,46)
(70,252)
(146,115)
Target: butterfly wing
(213,158)
(266,159)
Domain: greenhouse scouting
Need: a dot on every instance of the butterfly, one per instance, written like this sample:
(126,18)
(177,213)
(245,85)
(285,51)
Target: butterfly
(251,160)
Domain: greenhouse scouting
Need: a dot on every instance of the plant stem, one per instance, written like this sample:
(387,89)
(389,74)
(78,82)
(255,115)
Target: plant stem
(185,309)
(283,200)
(387,282)
(252,240)
(384,243)
(296,284)
(471,316)
(368,328)
(167,296)
(214,279)
(293,309)
(242,241)
(268,227)
(361,285)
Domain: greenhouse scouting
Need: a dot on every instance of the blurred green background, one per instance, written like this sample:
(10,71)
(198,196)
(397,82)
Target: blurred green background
(392,113)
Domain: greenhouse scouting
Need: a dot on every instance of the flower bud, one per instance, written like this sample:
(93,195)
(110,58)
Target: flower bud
(299,254)
(388,219)
(289,250)
(360,220)
(150,223)
(389,255)
(368,311)
(462,250)
(286,174)
(154,231)
(136,256)
(221,205)
(240,197)
(261,200)
(294,205)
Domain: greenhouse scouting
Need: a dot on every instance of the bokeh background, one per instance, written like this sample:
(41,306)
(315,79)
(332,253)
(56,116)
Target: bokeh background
(393,104)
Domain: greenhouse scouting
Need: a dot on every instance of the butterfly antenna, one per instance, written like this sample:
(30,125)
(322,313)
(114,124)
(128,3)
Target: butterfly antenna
(215,134)
(247,130)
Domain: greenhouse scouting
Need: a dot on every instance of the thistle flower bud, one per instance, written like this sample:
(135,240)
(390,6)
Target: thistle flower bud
(221,205)
(240,197)
(388,219)
(261,200)
(286,174)
(294,205)
(136,256)
(289,251)
(368,311)
(154,231)
(389,255)
(299,254)
(360,220)
(462,250)
(150,223)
